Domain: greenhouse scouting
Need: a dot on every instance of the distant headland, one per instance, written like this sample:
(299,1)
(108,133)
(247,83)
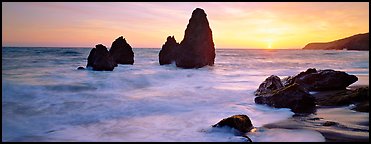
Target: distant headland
(355,42)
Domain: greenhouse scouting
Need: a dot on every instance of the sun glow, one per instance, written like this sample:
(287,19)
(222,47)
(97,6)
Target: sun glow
(270,45)
(234,25)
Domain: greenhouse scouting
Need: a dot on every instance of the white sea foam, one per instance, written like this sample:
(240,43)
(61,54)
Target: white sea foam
(144,101)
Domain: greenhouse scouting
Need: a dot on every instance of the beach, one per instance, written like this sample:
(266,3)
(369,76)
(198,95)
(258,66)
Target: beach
(335,123)
(45,97)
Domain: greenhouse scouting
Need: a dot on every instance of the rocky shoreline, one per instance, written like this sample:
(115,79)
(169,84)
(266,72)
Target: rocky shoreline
(308,94)
(340,109)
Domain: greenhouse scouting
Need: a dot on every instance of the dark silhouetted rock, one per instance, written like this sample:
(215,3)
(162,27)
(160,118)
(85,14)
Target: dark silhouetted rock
(358,96)
(91,58)
(329,123)
(294,97)
(99,59)
(121,51)
(80,68)
(321,80)
(240,122)
(355,42)
(270,84)
(362,107)
(197,47)
(168,52)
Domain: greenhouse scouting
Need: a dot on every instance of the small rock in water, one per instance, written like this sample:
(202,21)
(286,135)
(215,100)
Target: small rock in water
(314,119)
(240,122)
(80,68)
(329,123)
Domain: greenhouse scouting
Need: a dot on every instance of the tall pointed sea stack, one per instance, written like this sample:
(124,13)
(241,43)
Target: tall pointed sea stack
(197,47)
(121,51)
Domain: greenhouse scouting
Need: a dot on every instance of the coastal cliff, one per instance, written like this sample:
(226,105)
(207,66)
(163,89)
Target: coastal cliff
(355,42)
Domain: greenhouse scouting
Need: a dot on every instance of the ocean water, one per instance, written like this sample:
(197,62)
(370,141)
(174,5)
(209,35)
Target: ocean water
(45,98)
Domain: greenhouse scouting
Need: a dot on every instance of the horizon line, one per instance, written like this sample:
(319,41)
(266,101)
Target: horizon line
(132,47)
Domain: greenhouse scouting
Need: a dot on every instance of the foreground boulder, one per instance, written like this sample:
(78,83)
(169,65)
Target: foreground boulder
(121,51)
(269,85)
(292,92)
(294,97)
(197,47)
(99,59)
(321,80)
(242,123)
(168,51)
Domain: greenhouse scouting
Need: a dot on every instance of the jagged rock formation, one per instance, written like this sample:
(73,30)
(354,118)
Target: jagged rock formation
(355,42)
(121,51)
(294,97)
(167,54)
(197,47)
(293,91)
(269,85)
(320,80)
(99,59)
(358,96)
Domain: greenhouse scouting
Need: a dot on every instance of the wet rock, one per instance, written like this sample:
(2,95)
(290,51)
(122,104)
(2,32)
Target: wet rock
(358,96)
(99,59)
(197,47)
(242,123)
(291,79)
(80,68)
(321,80)
(168,51)
(315,118)
(121,51)
(362,107)
(293,96)
(329,123)
(270,84)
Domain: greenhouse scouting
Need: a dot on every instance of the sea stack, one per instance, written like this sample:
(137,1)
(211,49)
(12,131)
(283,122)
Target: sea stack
(99,59)
(167,54)
(121,51)
(197,47)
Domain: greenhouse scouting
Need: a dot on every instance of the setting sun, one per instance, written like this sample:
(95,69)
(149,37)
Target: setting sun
(269,45)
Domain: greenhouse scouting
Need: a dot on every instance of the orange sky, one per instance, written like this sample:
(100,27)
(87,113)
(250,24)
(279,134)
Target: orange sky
(146,25)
